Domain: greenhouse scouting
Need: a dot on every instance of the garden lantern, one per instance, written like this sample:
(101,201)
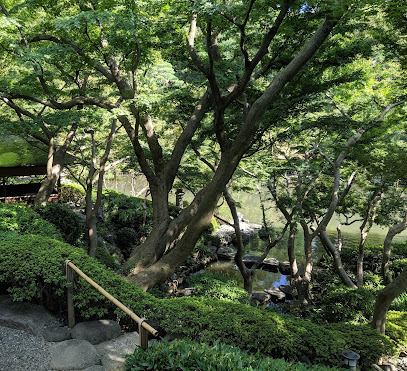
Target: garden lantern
(350,359)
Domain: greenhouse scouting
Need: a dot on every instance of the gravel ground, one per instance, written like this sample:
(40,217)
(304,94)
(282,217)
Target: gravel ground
(20,350)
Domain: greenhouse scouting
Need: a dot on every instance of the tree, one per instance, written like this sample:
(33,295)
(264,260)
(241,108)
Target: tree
(109,47)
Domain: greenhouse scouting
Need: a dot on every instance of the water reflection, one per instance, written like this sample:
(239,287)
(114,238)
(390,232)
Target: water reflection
(262,280)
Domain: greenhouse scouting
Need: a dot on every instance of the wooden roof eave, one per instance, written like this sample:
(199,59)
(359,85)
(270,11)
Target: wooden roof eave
(23,170)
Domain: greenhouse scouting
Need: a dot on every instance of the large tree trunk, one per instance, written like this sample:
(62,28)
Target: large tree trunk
(394,230)
(326,241)
(92,209)
(55,165)
(197,217)
(385,298)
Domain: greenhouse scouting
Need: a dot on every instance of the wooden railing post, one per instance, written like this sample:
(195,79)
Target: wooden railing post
(142,335)
(143,327)
(69,294)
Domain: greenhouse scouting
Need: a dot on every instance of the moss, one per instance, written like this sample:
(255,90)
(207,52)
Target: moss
(15,151)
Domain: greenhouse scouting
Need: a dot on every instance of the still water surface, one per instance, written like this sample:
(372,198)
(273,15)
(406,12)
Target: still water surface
(250,207)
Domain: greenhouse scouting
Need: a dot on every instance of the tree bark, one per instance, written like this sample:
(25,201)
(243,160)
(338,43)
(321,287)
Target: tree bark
(367,224)
(393,230)
(326,241)
(385,298)
(92,209)
(55,165)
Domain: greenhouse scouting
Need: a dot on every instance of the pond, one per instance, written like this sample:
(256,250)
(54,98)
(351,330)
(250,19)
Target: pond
(263,279)
(135,185)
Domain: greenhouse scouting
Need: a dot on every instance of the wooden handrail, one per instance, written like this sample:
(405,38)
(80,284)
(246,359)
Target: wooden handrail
(143,325)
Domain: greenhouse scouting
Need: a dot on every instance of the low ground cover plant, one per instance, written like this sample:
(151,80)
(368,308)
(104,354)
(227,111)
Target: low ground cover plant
(190,355)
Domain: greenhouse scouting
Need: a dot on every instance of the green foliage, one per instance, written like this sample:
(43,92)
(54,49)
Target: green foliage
(125,211)
(343,304)
(127,239)
(21,219)
(396,326)
(206,320)
(73,193)
(399,248)
(190,355)
(400,303)
(32,267)
(64,219)
(15,151)
(214,285)
(397,265)
(103,257)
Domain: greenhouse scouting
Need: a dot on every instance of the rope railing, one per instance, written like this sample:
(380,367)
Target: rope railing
(143,327)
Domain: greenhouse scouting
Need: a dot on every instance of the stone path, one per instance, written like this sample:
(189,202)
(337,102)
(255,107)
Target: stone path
(30,339)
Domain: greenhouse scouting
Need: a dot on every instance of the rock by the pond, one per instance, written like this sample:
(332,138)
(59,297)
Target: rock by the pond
(288,291)
(250,259)
(226,253)
(74,354)
(271,265)
(261,297)
(284,268)
(56,333)
(24,316)
(276,295)
(96,331)
(188,291)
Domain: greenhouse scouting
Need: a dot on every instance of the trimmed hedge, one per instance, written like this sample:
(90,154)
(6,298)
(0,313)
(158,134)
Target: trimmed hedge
(32,266)
(190,355)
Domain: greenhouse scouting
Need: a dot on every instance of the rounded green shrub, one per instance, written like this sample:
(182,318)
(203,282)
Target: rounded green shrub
(125,211)
(214,285)
(343,304)
(65,220)
(190,355)
(33,268)
(396,326)
(74,193)
(22,219)
(102,256)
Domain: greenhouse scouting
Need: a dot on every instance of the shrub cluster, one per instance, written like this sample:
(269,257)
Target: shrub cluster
(190,355)
(21,219)
(127,219)
(74,193)
(213,285)
(64,219)
(32,266)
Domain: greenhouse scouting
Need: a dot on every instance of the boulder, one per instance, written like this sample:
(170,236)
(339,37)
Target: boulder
(288,291)
(270,264)
(24,316)
(284,268)
(261,297)
(250,259)
(73,354)
(276,295)
(226,253)
(56,333)
(96,331)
